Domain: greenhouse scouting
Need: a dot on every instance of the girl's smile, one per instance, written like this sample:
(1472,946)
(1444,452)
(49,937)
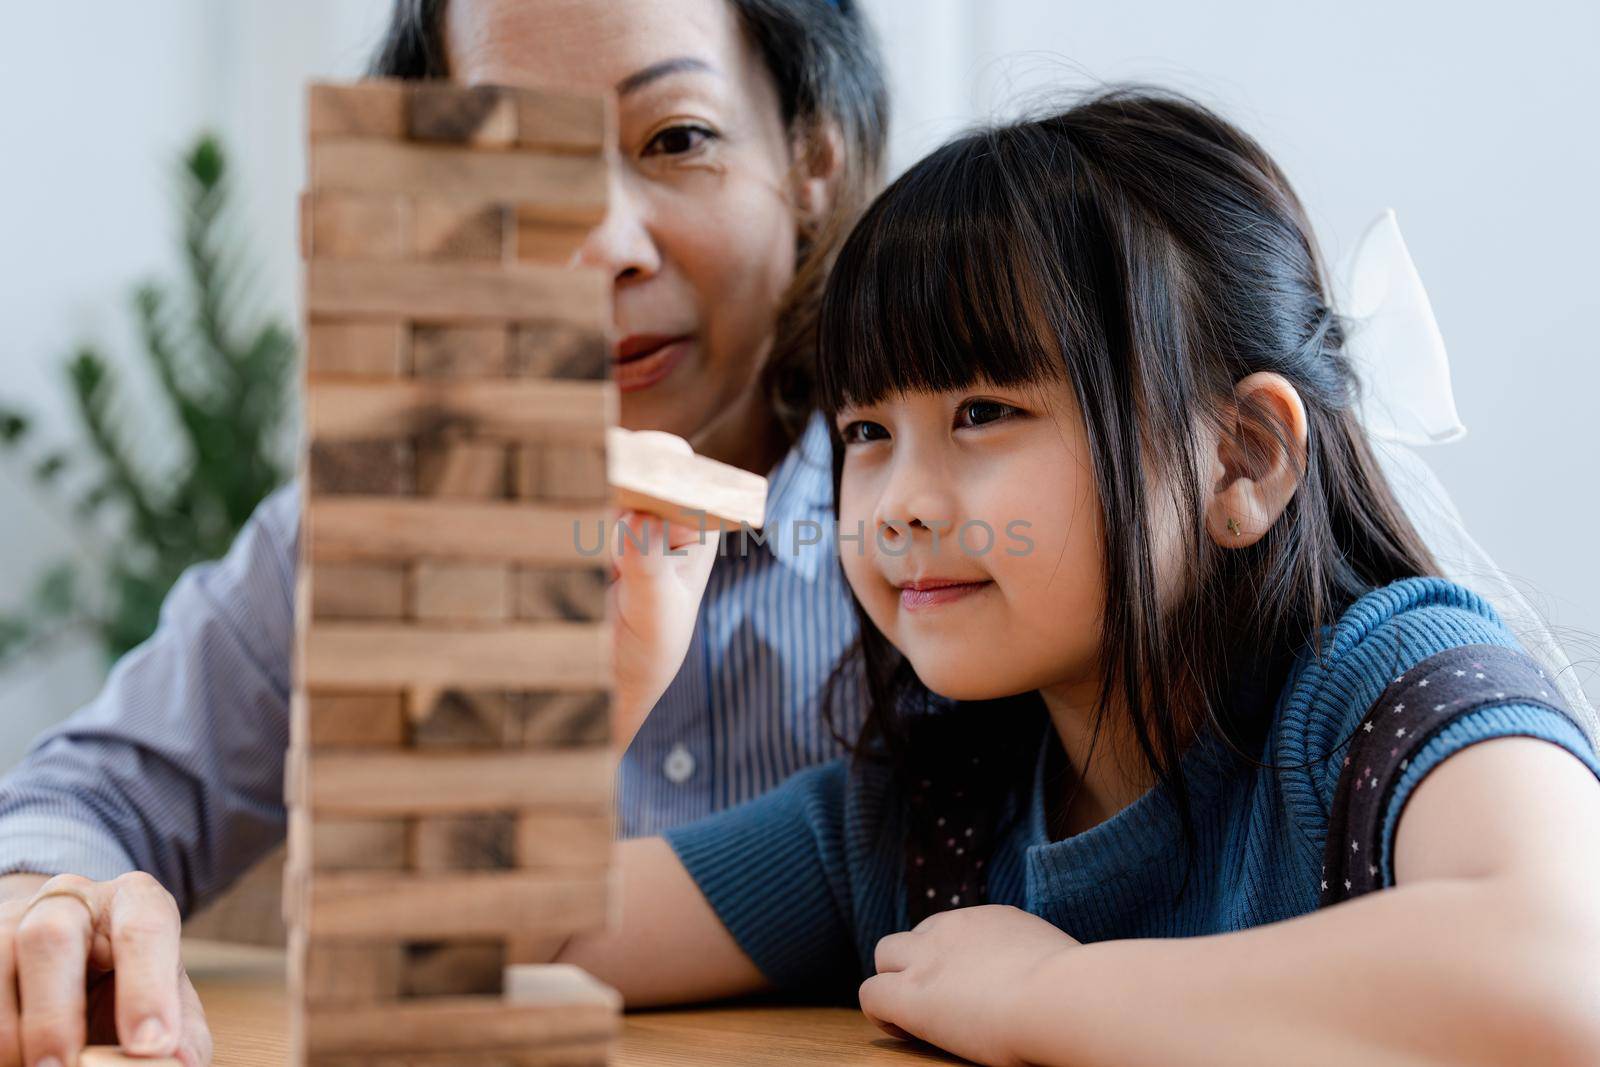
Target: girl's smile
(980,558)
(925,594)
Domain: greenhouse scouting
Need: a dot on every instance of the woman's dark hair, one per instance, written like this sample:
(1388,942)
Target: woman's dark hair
(824,59)
(1148,255)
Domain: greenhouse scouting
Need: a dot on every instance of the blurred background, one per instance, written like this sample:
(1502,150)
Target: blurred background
(1467,119)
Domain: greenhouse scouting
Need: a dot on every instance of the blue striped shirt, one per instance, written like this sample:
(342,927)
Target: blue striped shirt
(176,767)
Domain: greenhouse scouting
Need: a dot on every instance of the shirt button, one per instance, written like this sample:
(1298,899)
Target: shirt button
(679,765)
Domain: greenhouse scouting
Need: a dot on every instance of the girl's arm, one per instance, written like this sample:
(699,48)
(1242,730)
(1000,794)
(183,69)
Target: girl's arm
(669,947)
(1486,951)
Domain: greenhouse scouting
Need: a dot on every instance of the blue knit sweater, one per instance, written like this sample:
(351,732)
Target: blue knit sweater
(810,876)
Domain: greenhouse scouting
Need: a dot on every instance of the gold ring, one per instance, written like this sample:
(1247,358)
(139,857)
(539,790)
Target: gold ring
(65,891)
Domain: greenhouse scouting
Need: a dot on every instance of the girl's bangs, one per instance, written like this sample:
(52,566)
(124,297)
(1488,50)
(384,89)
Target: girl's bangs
(945,283)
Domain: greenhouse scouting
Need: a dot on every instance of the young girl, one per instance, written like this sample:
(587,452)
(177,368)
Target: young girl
(1143,630)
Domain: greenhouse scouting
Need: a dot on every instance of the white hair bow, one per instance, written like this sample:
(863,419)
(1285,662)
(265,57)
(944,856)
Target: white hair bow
(1394,344)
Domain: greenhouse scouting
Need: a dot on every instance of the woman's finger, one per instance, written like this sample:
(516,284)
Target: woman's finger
(144,929)
(195,1046)
(52,959)
(10,1021)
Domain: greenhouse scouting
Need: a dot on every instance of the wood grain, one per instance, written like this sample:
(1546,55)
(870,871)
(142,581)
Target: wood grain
(566,412)
(439,782)
(381,528)
(550,655)
(369,109)
(463,905)
(566,188)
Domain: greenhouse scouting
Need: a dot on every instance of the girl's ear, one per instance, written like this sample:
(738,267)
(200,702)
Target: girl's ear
(818,155)
(1259,457)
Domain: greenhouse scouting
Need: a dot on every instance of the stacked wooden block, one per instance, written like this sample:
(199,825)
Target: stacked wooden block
(449,777)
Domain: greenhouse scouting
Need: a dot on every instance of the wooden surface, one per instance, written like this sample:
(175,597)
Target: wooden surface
(242,990)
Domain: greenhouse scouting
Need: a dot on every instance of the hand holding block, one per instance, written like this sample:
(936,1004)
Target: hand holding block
(657,473)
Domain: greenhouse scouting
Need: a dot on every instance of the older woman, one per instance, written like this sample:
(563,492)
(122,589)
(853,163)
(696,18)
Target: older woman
(750,133)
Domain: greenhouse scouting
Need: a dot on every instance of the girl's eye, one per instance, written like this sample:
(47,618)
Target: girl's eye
(982,412)
(677,140)
(862,432)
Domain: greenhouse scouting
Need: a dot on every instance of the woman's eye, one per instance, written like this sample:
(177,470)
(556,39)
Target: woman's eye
(981,412)
(677,140)
(862,432)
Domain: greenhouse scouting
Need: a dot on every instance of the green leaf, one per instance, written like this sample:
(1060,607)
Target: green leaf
(48,469)
(13,426)
(57,591)
(205,162)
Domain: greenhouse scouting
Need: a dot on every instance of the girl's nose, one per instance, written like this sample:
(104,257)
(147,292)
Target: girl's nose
(917,497)
(622,244)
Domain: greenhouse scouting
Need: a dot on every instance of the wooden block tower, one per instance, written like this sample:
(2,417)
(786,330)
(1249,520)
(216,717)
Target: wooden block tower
(450,782)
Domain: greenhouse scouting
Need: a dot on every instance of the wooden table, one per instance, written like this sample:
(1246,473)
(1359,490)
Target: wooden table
(243,993)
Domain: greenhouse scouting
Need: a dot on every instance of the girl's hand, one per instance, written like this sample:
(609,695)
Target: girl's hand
(956,981)
(661,571)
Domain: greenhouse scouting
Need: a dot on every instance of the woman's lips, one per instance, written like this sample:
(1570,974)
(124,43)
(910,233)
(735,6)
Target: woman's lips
(920,596)
(643,361)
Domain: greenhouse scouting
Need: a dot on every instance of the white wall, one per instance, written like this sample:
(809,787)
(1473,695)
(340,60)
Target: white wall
(101,97)
(1470,120)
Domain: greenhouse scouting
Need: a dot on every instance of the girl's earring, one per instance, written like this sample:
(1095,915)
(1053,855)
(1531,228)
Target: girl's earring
(1233,526)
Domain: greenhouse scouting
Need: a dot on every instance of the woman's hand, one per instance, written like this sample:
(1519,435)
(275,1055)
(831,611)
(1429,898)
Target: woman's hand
(86,962)
(956,980)
(661,574)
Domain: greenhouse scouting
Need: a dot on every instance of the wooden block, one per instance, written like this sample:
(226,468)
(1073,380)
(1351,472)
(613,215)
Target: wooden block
(554,471)
(358,591)
(327,844)
(458,292)
(470,904)
(345,349)
(376,528)
(461,718)
(462,843)
(445,230)
(649,474)
(558,841)
(344,226)
(555,984)
(538,241)
(369,109)
(454,968)
(464,470)
(461,592)
(457,1024)
(444,781)
(549,594)
(331,973)
(481,115)
(560,350)
(550,655)
(503,410)
(348,720)
(374,468)
(113,1056)
(461,351)
(569,189)
(565,122)
(558,720)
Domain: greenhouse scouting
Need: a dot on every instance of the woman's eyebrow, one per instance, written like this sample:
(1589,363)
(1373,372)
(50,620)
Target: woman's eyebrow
(655,71)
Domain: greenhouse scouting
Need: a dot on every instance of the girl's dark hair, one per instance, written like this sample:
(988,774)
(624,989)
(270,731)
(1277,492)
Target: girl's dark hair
(1148,255)
(824,58)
